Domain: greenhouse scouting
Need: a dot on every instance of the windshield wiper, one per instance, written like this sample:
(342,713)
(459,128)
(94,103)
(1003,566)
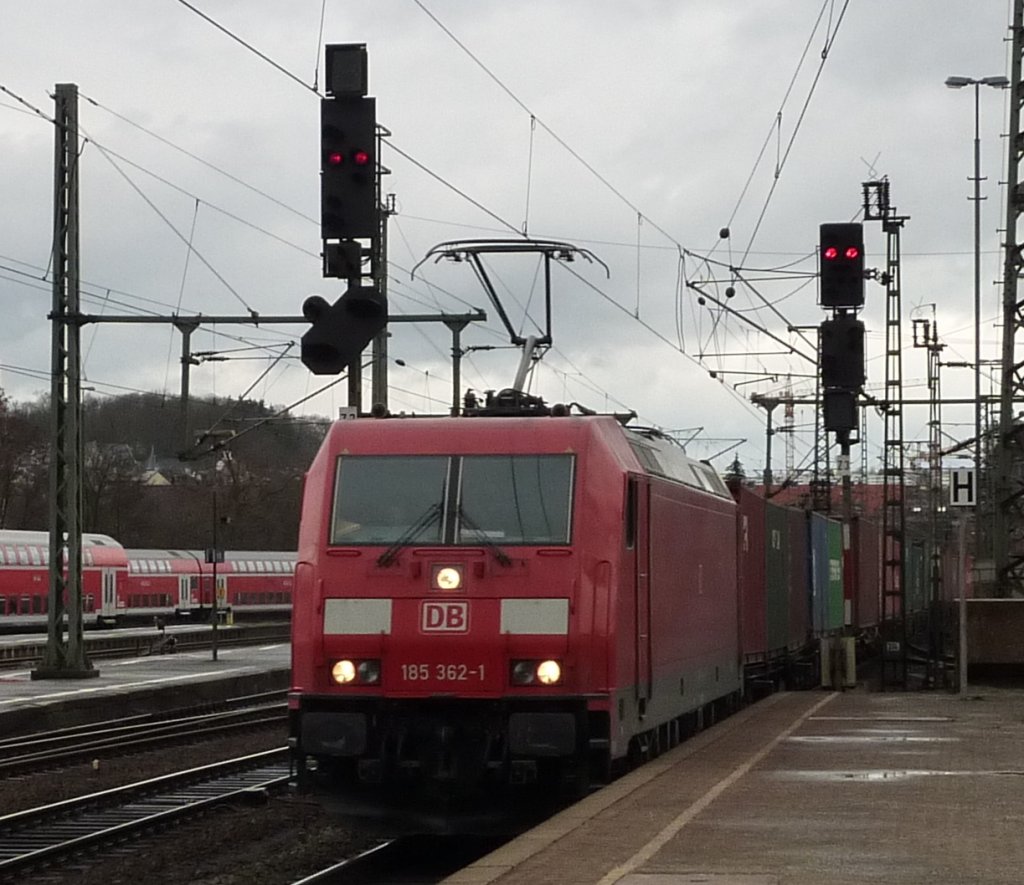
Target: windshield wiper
(410,534)
(499,554)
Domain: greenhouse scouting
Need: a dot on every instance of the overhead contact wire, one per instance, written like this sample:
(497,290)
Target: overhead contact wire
(248,46)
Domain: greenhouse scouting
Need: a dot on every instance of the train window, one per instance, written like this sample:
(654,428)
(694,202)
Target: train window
(631,512)
(23,555)
(515,499)
(26,605)
(646,456)
(37,605)
(33,554)
(381,498)
(11,558)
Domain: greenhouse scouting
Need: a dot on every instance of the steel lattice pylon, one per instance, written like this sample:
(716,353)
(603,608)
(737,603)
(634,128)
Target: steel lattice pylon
(894,629)
(1008,516)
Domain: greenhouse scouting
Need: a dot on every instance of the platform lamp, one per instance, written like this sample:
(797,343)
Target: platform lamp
(995,83)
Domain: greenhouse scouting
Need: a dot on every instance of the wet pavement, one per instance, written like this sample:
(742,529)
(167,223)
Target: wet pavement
(131,685)
(804,789)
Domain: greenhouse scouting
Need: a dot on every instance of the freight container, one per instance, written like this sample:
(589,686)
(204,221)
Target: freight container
(826,546)
(867,545)
(836,603)
(777,586)
(799,624)
(751,545)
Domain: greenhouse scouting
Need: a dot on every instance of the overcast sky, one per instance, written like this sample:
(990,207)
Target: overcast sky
(650,119)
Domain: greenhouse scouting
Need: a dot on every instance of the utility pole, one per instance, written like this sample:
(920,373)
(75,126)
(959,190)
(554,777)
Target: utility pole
(877,207)
(926,335)
(768,403)
(1009,518)
(64,657)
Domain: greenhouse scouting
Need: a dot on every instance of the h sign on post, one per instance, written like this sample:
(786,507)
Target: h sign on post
(962,489)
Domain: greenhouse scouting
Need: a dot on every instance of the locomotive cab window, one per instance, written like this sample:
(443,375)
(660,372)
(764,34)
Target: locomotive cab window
(472,499)
(515,499)
(379,499)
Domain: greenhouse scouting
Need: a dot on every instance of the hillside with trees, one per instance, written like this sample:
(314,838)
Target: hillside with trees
(141,488)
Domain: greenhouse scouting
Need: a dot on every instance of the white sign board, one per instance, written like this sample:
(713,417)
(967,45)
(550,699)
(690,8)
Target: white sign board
(963,490)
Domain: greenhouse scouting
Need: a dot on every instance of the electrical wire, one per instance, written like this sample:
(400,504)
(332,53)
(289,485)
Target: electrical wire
(248,46)
(175,230)
(193,156)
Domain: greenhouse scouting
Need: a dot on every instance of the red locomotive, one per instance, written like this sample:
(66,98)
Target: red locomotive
(485,605)
(491,606)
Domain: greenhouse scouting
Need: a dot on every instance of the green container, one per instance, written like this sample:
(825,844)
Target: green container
(836,604)
(916,575)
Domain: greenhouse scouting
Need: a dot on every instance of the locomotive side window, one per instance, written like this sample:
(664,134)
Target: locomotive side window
(631,496)
(515,499)
(379,499)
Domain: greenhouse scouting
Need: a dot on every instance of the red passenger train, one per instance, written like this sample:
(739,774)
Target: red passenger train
(484,605)
(122,585)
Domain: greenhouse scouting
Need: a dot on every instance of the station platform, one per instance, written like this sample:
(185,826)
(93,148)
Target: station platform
(802,789)
(127,686)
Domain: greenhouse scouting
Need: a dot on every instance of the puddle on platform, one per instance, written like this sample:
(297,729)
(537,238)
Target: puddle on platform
(869,739)
(881,718)
(893,774)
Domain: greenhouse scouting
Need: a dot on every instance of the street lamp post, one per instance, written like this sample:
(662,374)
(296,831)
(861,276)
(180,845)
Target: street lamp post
(995,83)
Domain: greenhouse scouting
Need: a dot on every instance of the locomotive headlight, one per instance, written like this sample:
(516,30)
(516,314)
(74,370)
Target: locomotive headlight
(369,672)
(533,672)
(343,672)
(448,577)
(524,672)
(548,672)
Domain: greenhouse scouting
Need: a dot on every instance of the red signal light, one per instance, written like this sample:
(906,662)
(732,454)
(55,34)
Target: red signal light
(335,158)
(361,158)
(852,252)
(831,253)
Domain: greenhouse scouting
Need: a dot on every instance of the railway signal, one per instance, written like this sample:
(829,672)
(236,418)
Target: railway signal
(348,167)
(842,352)
(841,255)
(341,331)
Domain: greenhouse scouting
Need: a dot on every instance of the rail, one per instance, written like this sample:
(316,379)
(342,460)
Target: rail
(42,835)
(35,752)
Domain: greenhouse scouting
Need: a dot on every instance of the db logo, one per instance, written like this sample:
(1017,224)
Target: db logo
(444,617)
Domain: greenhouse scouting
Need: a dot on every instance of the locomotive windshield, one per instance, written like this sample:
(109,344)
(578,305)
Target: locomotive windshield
(497,499)
(378,498)
(515,499)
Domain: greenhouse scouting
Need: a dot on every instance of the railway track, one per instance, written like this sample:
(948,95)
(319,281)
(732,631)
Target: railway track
(39,837)
(134,644)
(136,733)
